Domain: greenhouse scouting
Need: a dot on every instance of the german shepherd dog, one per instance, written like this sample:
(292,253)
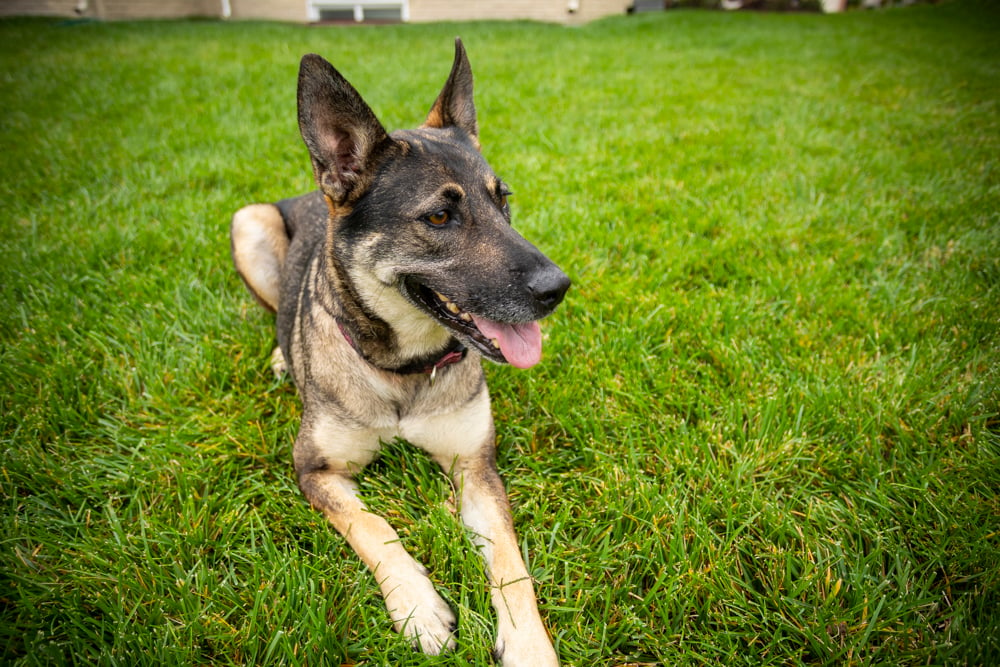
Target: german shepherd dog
(390,283)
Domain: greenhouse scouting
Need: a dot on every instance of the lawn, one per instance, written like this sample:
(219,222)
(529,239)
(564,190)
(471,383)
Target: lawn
(766,427)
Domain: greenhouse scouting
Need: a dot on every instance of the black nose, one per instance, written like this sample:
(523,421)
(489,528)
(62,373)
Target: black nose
(548,287)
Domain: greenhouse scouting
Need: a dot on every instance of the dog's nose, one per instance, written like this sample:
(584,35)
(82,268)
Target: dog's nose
(548,287)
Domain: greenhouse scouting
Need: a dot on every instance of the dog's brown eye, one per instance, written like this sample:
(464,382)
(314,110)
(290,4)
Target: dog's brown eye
(439,218)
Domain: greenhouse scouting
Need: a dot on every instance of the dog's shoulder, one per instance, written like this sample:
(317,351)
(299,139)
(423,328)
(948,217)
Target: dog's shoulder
(304,215)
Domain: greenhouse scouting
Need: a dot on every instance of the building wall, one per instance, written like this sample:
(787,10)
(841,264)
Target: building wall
(470,10)
(274,10)
(594,9)
(113,9)
(154,9)
(555,11)
(37,7)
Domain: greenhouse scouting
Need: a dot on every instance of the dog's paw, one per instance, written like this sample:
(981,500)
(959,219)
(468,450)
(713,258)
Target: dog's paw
(419,613)
(525,649)
(431,630)
(278,364)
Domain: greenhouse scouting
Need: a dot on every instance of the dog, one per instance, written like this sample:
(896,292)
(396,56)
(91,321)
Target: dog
(391,282)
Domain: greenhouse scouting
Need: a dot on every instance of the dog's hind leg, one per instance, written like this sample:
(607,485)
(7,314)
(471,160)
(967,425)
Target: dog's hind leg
(259,245)
(278,363)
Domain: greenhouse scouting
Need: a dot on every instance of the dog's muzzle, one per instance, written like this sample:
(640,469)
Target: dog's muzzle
(500,337)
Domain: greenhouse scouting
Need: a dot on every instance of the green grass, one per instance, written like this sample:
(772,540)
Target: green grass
(766,429)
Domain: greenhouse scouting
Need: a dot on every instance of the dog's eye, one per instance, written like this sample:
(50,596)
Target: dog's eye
(439,218)
(504,204)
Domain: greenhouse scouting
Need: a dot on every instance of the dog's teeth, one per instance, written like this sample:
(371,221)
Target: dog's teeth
(495,342)
(466,317)
(442,297)
(452,307)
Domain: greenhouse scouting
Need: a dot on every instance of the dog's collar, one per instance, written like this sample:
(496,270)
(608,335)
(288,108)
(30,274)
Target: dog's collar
(429,365)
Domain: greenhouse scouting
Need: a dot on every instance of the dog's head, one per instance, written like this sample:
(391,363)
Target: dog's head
(421,214)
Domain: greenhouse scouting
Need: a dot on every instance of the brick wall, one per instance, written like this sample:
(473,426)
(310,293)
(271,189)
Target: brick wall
(113,9)
(556,11)
(37,7)
(155,9)
(275,10)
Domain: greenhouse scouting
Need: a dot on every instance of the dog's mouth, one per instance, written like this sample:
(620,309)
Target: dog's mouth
(518,344)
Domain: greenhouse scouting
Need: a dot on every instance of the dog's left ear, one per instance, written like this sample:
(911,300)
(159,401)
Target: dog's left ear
(454,106)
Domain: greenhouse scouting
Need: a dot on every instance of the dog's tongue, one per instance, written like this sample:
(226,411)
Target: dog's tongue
(520,344)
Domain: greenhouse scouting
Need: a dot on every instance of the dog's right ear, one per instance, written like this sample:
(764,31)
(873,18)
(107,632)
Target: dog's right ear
(344,138)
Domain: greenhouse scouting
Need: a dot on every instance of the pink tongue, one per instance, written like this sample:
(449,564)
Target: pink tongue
(521,344)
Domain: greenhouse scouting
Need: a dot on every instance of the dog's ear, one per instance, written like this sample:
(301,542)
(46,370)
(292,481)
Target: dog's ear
(454,106)
(344,138)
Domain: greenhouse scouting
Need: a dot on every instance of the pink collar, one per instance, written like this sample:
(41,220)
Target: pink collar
(426,365)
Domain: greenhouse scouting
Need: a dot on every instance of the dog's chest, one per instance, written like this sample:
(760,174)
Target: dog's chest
(336,379)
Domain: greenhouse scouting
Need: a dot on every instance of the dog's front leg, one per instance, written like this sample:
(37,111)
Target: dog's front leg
(463,444)
(416,609)
(522,640)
